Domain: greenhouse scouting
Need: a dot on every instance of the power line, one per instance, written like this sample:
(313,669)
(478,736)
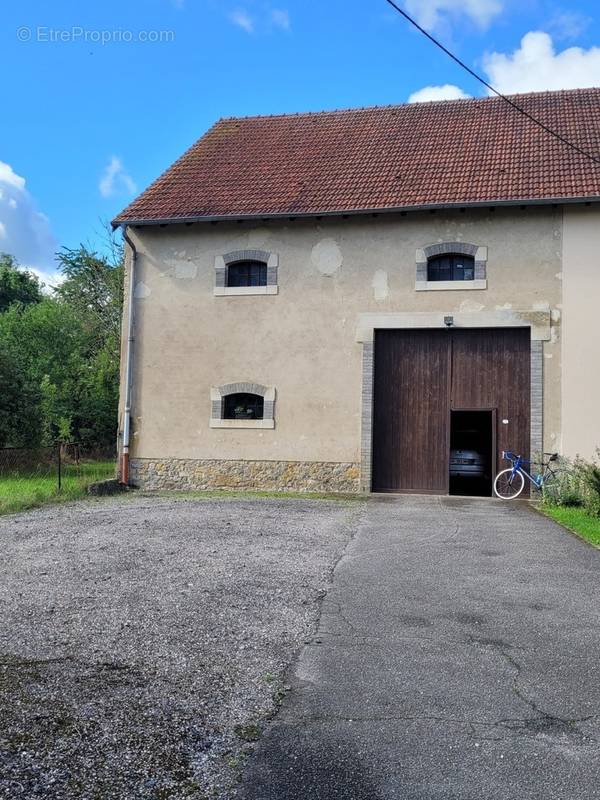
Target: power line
(477,77)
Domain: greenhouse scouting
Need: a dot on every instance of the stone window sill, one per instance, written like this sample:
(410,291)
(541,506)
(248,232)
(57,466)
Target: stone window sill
(242,423)
(232,291)
(448,286)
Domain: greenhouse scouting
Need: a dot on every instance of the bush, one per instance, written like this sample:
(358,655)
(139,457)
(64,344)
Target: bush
(577,485)
(592,484)
(567,488)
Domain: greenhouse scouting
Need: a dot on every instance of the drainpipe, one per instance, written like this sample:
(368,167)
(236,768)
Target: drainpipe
(128,364)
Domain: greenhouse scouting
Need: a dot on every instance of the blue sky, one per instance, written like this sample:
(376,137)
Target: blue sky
(87,124)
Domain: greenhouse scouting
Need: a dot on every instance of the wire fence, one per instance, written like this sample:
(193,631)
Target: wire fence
(33,476)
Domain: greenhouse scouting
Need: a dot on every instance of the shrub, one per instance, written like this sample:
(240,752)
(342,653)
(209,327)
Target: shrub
(567,488)
(592,494)
(577,485)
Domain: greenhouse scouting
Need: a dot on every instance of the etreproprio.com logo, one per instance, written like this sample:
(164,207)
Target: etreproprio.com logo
(46,34)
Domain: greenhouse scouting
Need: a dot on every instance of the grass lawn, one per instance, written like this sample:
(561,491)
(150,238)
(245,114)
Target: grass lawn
(22,490)
(577,521)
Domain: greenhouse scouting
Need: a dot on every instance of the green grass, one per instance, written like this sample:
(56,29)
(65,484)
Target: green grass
(576,520)
(19,492)
(22,490)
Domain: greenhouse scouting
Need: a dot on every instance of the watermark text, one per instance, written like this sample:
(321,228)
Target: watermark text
(76,33)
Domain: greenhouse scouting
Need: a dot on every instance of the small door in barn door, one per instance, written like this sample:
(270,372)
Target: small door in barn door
(411,410)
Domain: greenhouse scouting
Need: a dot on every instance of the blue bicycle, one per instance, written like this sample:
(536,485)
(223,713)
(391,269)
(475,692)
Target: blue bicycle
(510,482)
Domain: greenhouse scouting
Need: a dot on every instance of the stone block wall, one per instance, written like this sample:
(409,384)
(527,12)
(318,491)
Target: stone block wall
(293,476)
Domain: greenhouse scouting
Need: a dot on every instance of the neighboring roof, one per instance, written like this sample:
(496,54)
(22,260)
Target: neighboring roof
(457,152)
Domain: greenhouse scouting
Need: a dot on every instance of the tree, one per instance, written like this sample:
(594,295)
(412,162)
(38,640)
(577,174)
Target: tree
(93,288)
(19,416)
(64,355)
(17,285)
(50,343)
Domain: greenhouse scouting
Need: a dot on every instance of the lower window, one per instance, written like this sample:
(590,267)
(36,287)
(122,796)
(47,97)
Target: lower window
(243,406)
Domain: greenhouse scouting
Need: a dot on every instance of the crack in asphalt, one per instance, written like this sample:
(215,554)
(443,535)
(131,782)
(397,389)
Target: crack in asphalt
(514,725)
(545,722)
(542,723)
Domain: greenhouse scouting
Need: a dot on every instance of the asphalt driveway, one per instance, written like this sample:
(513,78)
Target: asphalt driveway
(457,656)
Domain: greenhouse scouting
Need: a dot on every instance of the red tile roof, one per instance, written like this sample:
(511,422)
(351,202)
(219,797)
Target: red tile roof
(382,158)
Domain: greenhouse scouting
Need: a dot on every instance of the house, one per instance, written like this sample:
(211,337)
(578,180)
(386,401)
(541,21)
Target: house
(353,300)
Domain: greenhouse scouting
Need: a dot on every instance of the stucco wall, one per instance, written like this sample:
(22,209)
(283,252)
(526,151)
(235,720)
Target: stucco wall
(581,340)
(303,340)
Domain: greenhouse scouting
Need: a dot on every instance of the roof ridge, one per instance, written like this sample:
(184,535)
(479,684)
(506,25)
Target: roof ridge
(353,109)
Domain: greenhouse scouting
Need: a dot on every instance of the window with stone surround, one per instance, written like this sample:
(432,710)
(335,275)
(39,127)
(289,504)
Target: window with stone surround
(451,265)
(246,272)
(242,405)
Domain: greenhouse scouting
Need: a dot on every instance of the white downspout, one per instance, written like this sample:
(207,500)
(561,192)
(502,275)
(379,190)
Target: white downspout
(124,471)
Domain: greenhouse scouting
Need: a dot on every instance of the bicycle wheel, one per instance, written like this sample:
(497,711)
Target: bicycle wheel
(507,485)
(553,483)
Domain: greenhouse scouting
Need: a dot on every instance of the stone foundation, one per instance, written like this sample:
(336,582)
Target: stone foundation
(186,474)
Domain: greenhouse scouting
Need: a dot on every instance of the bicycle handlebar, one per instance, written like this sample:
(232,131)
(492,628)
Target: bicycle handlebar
(510,456)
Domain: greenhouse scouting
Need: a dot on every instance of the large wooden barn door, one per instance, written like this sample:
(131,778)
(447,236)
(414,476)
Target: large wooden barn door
(420,376)
(410,415)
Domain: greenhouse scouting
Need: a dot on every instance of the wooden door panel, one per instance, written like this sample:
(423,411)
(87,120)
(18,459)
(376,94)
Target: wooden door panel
(491,369)
(411,411)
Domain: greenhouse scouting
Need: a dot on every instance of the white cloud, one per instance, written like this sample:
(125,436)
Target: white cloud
(536,66)
(25,232)
(568,24)
(10,178)
(115,179)
(243,20)
(446,92)
(430,14)
(280,17)
(264,21)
